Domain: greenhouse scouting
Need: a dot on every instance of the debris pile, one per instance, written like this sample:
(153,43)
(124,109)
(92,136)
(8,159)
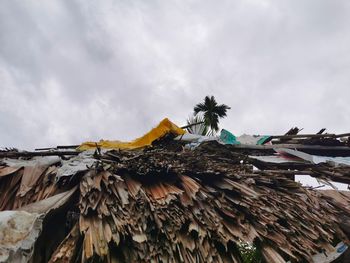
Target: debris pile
(168,203)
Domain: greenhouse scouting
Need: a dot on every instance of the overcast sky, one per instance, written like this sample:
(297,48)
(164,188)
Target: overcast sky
(72,71)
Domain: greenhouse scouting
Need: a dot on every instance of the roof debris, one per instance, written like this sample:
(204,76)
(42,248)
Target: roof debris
(18,232)
(167,202)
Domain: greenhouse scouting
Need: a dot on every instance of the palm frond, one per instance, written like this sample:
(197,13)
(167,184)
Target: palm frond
(221,110)
(207,100)
(199,126)
(200,107)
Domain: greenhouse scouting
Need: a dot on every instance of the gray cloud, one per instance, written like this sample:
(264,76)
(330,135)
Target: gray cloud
(72,71)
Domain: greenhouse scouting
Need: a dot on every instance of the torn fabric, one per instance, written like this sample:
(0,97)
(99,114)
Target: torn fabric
(163,128)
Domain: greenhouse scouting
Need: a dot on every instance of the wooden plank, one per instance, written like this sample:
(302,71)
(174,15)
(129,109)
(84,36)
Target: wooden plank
(68,146)
(58,147)
(190,125)
(326,135)
(291,146)
(303,136)
(32,154)
(342,135)
(311,149)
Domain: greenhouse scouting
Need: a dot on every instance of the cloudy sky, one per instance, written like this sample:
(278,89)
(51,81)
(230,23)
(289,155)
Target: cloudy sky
(72,70)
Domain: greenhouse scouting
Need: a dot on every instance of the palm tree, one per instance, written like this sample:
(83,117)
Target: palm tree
(211,112)
(196,125)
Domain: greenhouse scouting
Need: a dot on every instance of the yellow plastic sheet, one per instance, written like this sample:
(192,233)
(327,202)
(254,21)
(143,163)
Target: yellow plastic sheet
(163,128)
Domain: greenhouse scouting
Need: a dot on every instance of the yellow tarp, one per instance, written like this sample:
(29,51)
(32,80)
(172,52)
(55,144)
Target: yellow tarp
(163,128)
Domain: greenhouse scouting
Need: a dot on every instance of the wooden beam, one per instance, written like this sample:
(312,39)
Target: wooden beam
(290,146)
(190,125)
(342,135)
(326,135)
(311,149)
(58,147)
(32,154)
(67,146)
(303,136)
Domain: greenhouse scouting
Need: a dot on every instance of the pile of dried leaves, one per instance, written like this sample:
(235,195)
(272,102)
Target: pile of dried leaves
(168,204)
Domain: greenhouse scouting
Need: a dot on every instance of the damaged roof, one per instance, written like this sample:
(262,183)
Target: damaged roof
(167,201)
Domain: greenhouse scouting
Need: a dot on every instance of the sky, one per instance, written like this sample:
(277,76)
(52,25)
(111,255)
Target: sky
(78,70)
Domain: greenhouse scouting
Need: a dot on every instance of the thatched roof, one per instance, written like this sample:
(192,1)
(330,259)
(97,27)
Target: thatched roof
(166,203)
